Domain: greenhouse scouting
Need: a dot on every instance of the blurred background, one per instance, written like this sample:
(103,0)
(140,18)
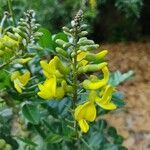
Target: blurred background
(122,27)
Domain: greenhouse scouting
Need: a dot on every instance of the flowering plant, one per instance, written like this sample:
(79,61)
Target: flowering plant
(55,90)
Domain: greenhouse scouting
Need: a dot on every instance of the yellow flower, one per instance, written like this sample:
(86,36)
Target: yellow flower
(48,89)
(83,113)
(9,42)
(94,83)
(54,67)
(105,100)
(80,58)
(20,80)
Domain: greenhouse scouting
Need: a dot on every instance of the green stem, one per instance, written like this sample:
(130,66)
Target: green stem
(75,82)
(8,62)
(87,145)
(11,11)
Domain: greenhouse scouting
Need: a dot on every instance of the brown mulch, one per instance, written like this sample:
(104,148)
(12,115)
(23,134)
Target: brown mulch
(133,121)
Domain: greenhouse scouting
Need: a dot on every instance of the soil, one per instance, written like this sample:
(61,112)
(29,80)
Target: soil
(132,121)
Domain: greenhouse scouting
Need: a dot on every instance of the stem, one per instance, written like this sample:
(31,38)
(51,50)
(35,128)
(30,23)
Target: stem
(87,145)
(75,79)
(3,21)
(11,11)
(8,62)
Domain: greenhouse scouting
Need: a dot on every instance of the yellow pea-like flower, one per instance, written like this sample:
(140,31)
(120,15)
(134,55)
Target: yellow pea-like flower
(80,58)
(9,42)
(54,67)
(48,89)
(105,100)
(83,113)
(20,80)
(94,83)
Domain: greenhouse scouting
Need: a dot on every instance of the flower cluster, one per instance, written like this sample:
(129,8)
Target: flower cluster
(55,85)
(74,60)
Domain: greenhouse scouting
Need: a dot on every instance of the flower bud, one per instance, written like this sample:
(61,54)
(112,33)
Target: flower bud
(89,47)
(60,42)
(84,26)
(82,33)
(2,143)
(12,36)
(7,147)
(66,29)
(66,45)
(22,34)
(85,42)
(61,51)
(96,57)
(91,68)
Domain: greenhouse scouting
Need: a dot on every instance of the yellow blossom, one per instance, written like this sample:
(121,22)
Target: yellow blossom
(94,83)
(8,42)
(20,80)
(105,100)
(83,113)
(80,58)
(54,67)
(48,89)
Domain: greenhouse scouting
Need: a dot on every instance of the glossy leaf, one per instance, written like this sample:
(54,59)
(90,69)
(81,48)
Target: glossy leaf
(31,113)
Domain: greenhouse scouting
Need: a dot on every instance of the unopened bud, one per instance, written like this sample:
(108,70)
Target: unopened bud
(66,45)
(85,42)
(7,147)
(2,143)
(61,51)
(91,68)
(12,36)
(82,33)
(60,42)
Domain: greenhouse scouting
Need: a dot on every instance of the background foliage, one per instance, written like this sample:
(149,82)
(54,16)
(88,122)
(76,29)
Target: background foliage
(129,22)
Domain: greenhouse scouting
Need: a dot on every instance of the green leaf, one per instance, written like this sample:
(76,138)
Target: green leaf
(112,132)
(45,40)
(61,36)
(102,124)
(118,139)
(53,138)
(31,113)
(110,147)
(117,77)
(117,98)
(27,141)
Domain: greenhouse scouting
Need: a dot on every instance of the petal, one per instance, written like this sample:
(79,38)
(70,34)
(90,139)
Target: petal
(106,98)
(24,78)
(48,89)
(81,55)
(110,106)
(86,111)
(60,93)
(18,85)
(83,125)
(88,84)
(15,75)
